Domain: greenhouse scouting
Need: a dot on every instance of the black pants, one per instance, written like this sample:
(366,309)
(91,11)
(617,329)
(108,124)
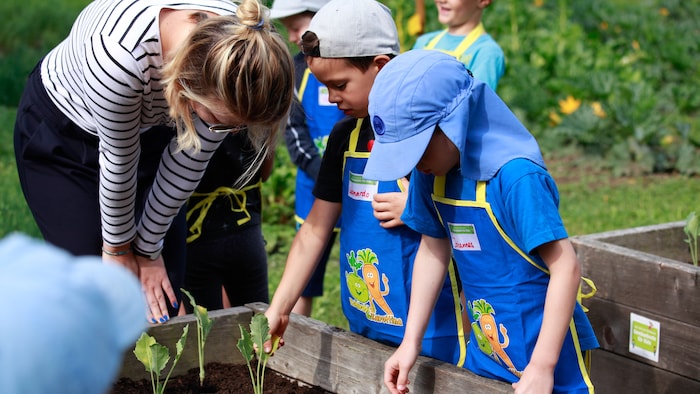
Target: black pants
(237,261)
(58,169)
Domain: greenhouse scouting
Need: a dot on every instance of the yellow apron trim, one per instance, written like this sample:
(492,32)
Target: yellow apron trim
(451,271)
(584,361)
(463,46)
(302,85)
(203,206)
(438,195)
(352,144)
(583,296)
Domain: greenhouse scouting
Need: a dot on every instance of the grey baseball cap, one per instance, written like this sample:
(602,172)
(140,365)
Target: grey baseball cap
(284,8)
(355,28)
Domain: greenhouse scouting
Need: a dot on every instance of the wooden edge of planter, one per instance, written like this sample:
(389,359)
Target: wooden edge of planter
(635,278)
(632,230)
(614,374)
(679,349)
(344,362)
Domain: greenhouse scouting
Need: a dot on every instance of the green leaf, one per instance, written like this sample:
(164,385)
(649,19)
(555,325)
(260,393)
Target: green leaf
(180,345)
(142,350)
(260,331)
(159,355)
(245,345)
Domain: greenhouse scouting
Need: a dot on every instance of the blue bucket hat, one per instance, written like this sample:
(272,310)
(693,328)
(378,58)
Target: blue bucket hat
(421,89)
(67,320)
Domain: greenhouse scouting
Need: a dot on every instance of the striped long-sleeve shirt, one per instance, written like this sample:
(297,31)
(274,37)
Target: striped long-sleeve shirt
(105,76)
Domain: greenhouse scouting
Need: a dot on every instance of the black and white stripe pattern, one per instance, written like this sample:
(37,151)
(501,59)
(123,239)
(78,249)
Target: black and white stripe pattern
(106,78)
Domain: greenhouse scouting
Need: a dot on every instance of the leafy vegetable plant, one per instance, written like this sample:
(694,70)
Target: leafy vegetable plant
(203,327)
(692,229)
(155,357)
(251,344)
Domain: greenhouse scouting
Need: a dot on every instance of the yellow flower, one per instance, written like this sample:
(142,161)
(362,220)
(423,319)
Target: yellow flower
(539,3)
(554,119)
(603,25)
(663,11)
(635,45)
(598,110)
(569,105)
(668,140)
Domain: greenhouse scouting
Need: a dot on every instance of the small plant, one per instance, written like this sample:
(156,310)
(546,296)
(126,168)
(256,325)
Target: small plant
(203,327)
(251,344)
(155,357)
(692,229)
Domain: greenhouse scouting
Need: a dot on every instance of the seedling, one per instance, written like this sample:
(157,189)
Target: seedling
(203,327)
(692,229)
(251,344)
(155,357)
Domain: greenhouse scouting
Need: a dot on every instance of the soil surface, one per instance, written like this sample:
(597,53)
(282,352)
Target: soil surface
(220,379)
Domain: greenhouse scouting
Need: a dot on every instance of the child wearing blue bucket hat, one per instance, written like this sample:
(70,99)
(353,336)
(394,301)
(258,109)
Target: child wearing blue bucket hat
(77,346)
(480,193)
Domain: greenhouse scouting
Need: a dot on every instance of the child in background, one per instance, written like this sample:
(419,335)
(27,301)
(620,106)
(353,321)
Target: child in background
(347,44)
(310,123)
(225,244)
(465,39)
(481,194)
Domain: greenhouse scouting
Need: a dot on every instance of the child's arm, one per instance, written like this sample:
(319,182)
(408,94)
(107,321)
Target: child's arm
(565,276)
(388,207)
(306,249)
(429,272)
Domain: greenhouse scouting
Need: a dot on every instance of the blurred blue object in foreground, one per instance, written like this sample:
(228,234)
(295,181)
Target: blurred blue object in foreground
(66,320)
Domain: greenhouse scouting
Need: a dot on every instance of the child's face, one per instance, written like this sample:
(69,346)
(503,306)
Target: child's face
(458,12)
(440,156)
(296,26)
(348,86)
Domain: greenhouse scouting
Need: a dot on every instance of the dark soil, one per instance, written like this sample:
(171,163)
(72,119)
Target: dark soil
(220,379)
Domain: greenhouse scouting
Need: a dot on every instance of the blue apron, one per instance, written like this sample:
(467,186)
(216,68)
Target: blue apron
(505,296)
(376,266)
(321,116)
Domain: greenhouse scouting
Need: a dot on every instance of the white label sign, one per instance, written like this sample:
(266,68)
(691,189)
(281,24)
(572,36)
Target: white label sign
(645,335)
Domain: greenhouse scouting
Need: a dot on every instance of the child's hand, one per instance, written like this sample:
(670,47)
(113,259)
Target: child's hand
(535,380)
(278,324)
(397,367)
(388,207)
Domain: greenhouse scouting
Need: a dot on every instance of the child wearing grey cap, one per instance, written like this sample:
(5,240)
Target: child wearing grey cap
(310,122)
(347,45)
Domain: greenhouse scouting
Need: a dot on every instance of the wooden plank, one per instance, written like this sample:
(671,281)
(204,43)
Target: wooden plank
(343,362)
(615,374)
(666,240)
(642,281)
(220,345)
(679,348)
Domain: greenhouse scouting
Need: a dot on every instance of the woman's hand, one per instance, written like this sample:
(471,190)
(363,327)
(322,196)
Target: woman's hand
(156,287)
(121,255)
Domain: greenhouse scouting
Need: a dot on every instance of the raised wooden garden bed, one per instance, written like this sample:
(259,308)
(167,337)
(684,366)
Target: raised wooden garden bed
(645,271)
(315,353)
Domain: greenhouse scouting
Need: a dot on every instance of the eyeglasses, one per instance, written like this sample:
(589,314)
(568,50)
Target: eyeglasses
(222,128)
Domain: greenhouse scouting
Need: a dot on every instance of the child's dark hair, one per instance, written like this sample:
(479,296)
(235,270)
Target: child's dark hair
(310,46)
